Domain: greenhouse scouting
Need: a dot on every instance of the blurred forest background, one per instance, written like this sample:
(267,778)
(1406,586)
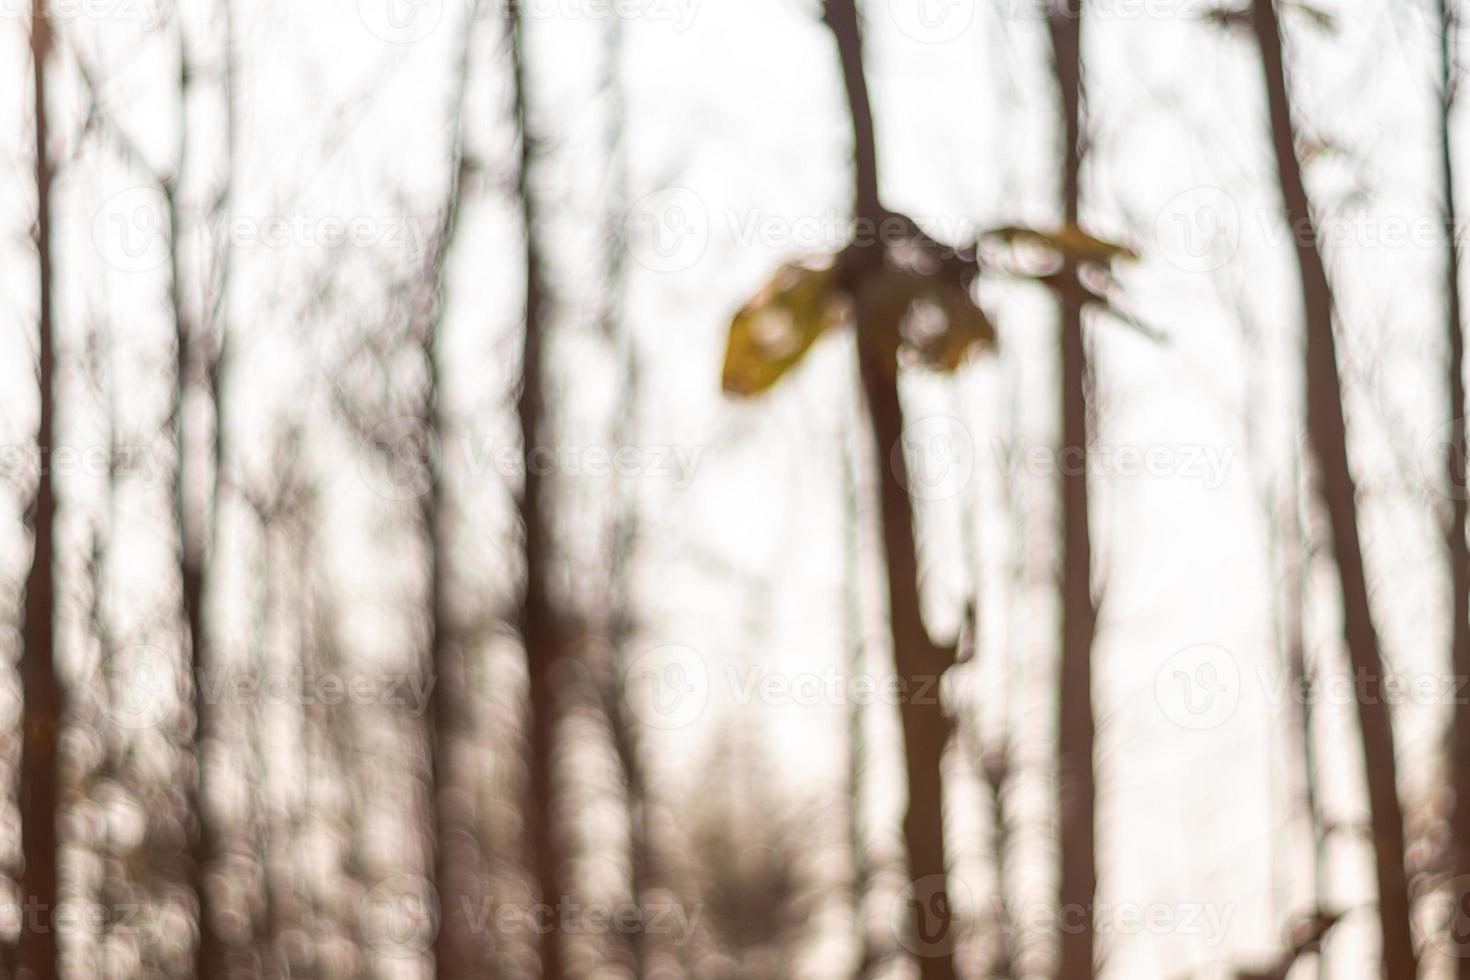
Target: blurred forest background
(693,489)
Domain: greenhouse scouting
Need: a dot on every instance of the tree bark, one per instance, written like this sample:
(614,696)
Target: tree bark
(1336,490)
(1456,547)
(918,661)
(41,720)
(453,844)
(537,616)
(1076,727)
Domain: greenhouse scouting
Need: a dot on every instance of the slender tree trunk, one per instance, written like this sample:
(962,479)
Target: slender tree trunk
(1076,728)
(1456,454)
(852,568)
(621,614)
(190,528)
(1291,553)
(41,721)
(455,856)
(536,618)
(918,660)
(1327,437)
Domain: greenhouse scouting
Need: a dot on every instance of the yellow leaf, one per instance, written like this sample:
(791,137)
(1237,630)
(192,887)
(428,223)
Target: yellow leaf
(779,325)
(1069,242)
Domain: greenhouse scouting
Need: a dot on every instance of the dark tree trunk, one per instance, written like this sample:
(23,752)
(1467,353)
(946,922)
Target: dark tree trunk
(1456,546)
(456,859)
(918,660)
(190,527)
(537,618)
(1076,728)
(41,721)
(1327,436)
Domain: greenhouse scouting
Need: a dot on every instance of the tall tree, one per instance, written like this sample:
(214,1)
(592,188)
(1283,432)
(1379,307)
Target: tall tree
(1076,726)
(918,659)
(40,766)
(621,615)
(452,857)
(889,268)
(197,371)
(1457,450)
(536,618)
(1337,492)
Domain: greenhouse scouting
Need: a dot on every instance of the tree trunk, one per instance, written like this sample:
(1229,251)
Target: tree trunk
(1327,437)
(192,547)
(1076,728)
(918,661)
(536,617)
(41,720)
(454,854)
(1456,546)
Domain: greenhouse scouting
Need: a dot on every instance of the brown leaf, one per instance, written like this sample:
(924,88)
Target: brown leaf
(1069,242)
(779,325)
